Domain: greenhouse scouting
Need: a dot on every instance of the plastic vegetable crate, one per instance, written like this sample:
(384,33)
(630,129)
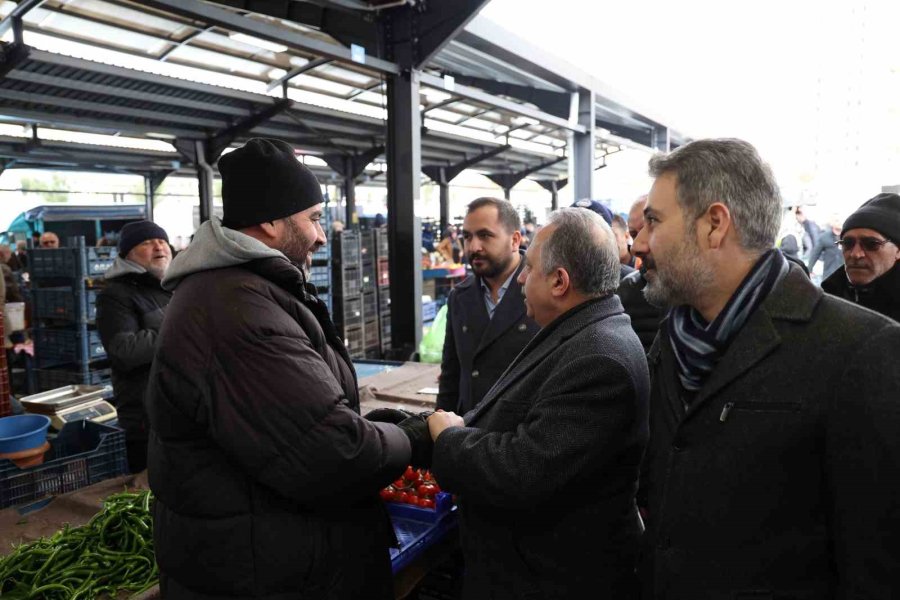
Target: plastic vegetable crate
(419,528)
(83,453)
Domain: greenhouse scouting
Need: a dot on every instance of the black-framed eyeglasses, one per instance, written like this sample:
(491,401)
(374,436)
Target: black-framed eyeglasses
(869,244)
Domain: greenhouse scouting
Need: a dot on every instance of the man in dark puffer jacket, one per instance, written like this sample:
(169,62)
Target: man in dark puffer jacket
(266,478)
(130,311)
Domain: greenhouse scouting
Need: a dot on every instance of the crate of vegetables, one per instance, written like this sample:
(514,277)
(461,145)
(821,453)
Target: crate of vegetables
(421,514)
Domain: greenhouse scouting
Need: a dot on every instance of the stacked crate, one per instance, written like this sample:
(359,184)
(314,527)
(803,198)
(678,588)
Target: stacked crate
(320,274)
(372,334)
(346,291)
(64,287)
(383,289)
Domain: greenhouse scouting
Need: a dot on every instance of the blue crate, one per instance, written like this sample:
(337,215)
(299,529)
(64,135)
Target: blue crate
(326,298)
(82,454)
(417,529)
(429,311)
(75,262)
(50,379)
(320,276)
(54,347)
(71,304)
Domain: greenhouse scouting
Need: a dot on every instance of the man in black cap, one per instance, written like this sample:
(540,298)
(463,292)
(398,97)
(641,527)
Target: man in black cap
(130,312)
(265,475)
(869,241)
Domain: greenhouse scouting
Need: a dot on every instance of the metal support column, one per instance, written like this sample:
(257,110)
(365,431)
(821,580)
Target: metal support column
(404,240)
(445,205)
(349,189)
(205,181)
(582,147)
(148,197)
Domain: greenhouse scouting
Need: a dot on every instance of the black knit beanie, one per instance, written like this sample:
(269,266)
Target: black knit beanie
(138,232)
(881,213)
(263,181)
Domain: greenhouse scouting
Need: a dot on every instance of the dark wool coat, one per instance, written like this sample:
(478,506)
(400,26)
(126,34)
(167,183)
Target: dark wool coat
(546,468)
(477,349)
(266,478)
(780,480)
(645,317)
(882,295)
(130,311)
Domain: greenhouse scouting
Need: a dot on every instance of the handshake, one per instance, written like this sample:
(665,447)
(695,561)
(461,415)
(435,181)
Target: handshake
(415,426)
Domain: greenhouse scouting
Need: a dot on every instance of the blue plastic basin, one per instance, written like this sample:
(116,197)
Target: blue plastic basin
(22,432)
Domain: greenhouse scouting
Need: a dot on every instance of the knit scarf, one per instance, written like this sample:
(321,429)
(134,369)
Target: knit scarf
(699,345)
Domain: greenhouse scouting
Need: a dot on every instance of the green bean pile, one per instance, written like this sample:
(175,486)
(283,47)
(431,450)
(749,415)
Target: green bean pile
(112,553)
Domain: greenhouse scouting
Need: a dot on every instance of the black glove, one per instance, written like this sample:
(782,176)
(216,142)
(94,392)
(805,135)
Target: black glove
(416,429)
(388,415)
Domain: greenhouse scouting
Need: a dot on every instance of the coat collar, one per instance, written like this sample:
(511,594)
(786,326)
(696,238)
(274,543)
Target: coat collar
(795,299)
(545,342)
(507,313)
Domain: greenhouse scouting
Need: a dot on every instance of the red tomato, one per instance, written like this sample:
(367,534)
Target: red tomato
(401,497)
(412,499)
(409,474)
(399,484)
(387,494)
(427,489)
(426,503)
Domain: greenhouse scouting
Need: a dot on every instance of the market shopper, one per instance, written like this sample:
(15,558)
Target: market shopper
(774,411)
(546,467)
(487,324)
(130,311)
(645,317)
(825,249)
(49,239)
(266,478)
(869,240)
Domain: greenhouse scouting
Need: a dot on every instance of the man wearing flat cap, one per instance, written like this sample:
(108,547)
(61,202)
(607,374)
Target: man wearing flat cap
(130,312)
(265,475)
(869,241)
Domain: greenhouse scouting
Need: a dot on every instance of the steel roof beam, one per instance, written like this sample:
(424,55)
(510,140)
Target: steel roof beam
(484,98)
(175,45)
(509,180)
(446,174)
(222,139)
(555,103)
(77,122)
(313,64)
(212,15)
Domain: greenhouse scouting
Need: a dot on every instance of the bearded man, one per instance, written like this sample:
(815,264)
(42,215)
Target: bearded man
(773,407)
(487,324)
(130,311)
(265,475)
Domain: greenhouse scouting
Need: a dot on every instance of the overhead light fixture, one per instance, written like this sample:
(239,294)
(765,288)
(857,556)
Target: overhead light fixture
(259,43)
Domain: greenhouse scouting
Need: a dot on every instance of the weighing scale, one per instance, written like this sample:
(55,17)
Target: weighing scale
(72,403)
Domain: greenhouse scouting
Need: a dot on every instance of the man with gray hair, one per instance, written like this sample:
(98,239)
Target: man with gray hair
(774,412)
(547,464)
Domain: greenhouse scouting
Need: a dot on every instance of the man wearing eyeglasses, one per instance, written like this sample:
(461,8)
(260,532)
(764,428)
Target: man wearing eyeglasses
(869,241)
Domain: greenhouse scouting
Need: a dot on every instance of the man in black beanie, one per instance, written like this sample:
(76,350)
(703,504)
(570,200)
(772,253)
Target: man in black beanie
(266,476)
(130,311)
(869,240)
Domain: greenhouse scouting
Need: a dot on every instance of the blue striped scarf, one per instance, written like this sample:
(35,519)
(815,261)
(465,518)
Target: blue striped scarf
(699,345)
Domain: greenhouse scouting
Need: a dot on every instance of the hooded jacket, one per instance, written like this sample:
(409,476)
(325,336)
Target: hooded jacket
(130,311)
(882,295)
(266,478)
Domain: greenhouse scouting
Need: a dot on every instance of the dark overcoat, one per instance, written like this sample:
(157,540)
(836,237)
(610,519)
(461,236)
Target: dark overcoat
(546,469)
(780,480)
(477,349)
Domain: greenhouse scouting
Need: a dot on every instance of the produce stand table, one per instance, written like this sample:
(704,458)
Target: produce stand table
(399,387)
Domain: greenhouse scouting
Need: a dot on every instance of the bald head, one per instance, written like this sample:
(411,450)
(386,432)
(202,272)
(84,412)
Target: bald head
(636,216)
(49,240)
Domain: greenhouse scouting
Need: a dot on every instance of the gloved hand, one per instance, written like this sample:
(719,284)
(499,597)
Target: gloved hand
(416,429)
(388,415)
